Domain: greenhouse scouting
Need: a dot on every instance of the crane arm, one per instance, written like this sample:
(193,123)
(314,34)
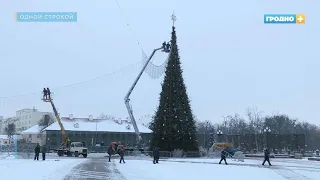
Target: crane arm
(63,131)
(127,100)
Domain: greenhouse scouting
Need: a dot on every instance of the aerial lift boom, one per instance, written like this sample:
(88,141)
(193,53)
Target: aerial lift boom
(63,131)
(127,100)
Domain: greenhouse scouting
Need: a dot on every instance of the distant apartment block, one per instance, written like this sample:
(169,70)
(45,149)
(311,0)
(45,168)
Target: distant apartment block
(24,119)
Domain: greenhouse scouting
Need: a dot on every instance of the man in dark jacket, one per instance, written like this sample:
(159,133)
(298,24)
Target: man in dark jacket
(156,155)
(44,151)
(45,93)
(49,93)
(110,152)
(121,153)
(164,46)
(168,47)
(266,156)
(224,154)
(37,152)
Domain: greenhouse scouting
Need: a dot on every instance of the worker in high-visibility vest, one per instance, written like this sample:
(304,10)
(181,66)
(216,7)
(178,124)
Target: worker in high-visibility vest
(68,142)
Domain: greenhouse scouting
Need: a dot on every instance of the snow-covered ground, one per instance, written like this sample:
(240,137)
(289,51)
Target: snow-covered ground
(50,169)
(189,169)
(168,169)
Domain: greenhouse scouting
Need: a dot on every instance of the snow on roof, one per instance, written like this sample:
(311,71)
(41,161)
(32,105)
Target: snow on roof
(84,124)
(33,130)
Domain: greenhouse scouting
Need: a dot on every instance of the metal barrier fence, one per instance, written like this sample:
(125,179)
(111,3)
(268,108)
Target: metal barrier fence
(26,151)
(21,151)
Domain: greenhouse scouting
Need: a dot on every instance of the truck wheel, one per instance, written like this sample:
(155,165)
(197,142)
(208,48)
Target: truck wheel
(84,155)
(69,154)
(76,154)
(60,153)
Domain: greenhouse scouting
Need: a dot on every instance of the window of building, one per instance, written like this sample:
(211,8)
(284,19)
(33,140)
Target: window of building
(29,135)
(38,136)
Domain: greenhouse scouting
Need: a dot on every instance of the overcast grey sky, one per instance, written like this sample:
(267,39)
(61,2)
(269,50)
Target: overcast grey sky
(231,59)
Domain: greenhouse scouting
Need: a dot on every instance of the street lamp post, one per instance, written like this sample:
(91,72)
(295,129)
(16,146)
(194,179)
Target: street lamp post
(267,130)
(219,134)
(211,139)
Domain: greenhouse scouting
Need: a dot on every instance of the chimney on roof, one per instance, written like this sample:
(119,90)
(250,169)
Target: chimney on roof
(90,118)
(71,116)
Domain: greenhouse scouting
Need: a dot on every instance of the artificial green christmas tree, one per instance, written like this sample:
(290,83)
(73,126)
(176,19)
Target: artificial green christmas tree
(173,124)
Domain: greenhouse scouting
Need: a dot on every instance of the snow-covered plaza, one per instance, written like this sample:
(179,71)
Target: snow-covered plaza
(96,167)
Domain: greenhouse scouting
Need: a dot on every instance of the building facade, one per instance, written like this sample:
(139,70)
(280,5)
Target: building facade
(4,140)
(93,132)
(33,134)
(24,119)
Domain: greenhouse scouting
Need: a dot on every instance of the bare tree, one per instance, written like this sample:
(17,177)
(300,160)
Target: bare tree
(10,130)
(205,133)
(46,121)
(255,122)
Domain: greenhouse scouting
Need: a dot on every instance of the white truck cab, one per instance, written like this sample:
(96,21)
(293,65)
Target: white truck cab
(77,149)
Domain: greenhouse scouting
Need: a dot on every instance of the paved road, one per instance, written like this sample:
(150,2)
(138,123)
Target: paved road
(95,169)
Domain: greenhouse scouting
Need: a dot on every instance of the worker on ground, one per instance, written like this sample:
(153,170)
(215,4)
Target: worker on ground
(49,93)
(45,93)
(110,152)
(44,151)
(266,156)
(118,148)
(37,152)
(68,142)
(156,155)
(224,154)
(121,153)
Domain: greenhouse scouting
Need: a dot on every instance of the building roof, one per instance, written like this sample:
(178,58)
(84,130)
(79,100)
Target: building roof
(85,124)
(33,130)
(6,136)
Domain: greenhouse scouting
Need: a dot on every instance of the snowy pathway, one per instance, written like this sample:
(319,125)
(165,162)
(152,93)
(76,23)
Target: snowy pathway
(95,169)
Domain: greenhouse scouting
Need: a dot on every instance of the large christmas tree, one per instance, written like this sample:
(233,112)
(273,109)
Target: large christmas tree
(173,125)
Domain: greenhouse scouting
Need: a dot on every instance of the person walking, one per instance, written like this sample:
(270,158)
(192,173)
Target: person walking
(224,154)
(37,152)
(266,157)
(121,153)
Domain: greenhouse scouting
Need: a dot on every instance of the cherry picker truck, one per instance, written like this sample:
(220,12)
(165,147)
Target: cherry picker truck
(137,149)
(66,148)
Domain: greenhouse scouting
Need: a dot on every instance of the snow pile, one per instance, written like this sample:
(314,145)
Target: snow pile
(38,170)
